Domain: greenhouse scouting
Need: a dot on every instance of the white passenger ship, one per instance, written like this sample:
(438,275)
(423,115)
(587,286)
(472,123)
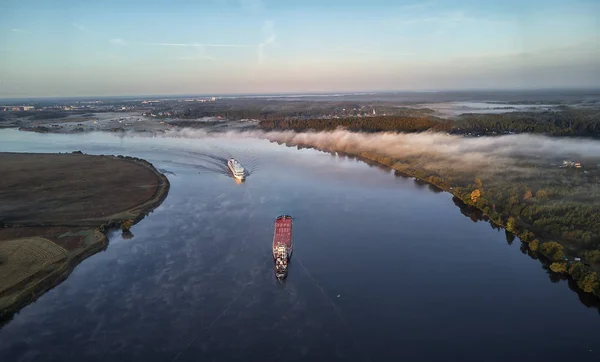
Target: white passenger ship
(236,169)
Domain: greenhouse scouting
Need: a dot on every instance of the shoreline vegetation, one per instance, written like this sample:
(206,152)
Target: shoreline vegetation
(56,211)
(552,252)
(581,271)
(547,214)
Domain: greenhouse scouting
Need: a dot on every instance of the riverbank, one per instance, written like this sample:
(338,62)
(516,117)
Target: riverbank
(550,250)
(562,256)
(55,211)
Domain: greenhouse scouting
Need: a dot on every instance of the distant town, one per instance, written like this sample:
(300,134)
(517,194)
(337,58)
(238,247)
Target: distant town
(385,112)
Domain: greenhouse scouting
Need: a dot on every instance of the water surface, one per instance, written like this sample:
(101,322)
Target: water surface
(383,269)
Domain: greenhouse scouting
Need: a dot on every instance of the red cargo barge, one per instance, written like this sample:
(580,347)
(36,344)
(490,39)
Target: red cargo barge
(282,245)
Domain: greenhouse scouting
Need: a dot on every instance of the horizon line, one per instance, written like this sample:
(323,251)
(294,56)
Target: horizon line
(307,94)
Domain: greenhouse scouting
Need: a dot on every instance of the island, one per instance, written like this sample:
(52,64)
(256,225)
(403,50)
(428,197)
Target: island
(55,211)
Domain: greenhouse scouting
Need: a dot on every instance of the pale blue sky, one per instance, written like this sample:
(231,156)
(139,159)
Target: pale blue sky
(121,47)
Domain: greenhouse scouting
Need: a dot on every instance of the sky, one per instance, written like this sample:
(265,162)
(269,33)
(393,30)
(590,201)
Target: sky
(130,47)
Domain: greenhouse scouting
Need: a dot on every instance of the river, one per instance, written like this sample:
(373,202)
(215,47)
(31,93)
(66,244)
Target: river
(384,268)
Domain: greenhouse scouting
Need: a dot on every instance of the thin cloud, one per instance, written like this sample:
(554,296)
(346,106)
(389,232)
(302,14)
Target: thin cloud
(198,45)
(252,5)
(118,41)
(81,28)
(199,57)
(268,30)
(344,49)
(20,31)
(415,7)
(340,48)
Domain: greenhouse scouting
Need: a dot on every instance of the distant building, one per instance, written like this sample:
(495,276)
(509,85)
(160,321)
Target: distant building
(571,164)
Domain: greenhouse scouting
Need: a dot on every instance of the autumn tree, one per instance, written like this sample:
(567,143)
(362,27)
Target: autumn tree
(534,245)
(511,224)
(590,283)
(126,225)
(558,267)
(577,271)
(475,195)
(552,250)
(528,195)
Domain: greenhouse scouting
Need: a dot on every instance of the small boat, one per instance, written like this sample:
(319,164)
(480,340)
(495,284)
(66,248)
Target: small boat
(236,169)
(282,245)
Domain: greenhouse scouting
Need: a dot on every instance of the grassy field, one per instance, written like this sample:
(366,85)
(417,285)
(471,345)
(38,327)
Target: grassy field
(55,210)
(21,259)
(72,189)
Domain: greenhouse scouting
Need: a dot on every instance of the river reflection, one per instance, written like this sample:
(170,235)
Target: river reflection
(476,215)
(383,269)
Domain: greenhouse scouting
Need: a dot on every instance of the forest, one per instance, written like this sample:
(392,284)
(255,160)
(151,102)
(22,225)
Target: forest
(364,124)
(567,122)
(273,110)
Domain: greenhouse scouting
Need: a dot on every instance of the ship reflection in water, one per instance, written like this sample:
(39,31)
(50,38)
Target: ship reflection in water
(476,215)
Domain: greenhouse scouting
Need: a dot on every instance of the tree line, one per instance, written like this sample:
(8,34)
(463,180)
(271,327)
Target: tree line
(546,212)
(570,122)
(363,124)
(567,122)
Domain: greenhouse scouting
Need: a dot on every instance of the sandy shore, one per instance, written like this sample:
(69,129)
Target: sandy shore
(55,210)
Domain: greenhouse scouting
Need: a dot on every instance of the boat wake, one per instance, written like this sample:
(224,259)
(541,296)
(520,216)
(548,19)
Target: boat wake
(215,161)
(248,159)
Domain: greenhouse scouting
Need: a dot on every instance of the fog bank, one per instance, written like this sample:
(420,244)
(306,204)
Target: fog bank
(449,150)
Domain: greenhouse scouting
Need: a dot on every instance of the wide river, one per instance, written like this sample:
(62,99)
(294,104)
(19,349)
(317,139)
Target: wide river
(384,269)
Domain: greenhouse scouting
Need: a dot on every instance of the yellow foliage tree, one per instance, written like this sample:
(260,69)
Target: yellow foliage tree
(533,245)
(511,224)
(475,195)
(558,267)
(528,195)
(590,283)
(478,183)
(126,225)
(552,250)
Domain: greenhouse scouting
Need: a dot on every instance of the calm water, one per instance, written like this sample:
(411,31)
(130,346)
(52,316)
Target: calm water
(383,269)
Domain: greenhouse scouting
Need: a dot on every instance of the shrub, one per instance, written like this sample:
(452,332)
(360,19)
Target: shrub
(590,283)
(558,267)
(592,256)
(126,225)
(534,245)
(552,250)
(511,224)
